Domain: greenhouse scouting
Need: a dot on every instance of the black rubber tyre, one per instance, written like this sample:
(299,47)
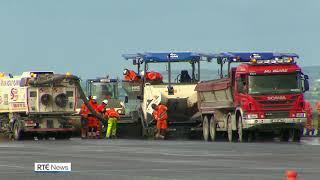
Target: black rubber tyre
(232,135)
(294,135)
(284,135)
(17,131)
(206,129)
(241,136)
(250,136)
(213,128)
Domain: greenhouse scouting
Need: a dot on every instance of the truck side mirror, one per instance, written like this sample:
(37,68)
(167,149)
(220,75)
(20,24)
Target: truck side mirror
(135,62)
(305,83)
(126,99)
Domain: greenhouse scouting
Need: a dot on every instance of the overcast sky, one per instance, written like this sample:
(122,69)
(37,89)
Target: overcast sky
(87,37)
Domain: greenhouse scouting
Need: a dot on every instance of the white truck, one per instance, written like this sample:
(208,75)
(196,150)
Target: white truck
(37,102)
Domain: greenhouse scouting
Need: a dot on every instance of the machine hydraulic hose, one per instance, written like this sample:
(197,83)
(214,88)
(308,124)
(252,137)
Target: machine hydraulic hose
(72,79)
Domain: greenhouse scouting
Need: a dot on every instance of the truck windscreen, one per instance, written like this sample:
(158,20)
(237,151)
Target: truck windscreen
(274,83)
(103,90)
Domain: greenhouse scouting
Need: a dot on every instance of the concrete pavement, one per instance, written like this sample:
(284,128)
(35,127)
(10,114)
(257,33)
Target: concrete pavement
(146,159)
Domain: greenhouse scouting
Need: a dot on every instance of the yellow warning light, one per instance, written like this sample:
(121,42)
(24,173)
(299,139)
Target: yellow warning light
(33,75)
(68,73)
(253,61)
(1,75)
(290,59)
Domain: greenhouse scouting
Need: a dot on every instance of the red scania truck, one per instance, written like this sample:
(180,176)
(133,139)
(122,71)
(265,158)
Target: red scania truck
(260,94)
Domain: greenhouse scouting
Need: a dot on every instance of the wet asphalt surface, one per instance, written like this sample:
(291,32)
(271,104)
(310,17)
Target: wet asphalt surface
(149,159)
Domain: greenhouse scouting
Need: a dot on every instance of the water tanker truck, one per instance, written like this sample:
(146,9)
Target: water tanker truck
(260,94)
(178,93)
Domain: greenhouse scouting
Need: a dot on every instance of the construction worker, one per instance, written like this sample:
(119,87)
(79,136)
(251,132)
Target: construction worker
(318,109)
(102,107)
(130,75)
(112,115)
(152,76)
(161,117)
(308,108)
(92,120)
(84,111)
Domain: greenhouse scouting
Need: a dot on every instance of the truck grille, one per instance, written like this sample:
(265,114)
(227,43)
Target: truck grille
(276,114)
(277,105)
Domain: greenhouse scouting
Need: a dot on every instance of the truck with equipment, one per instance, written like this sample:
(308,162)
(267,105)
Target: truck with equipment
(40,103)
(263,95)
(178,93)
(122,96)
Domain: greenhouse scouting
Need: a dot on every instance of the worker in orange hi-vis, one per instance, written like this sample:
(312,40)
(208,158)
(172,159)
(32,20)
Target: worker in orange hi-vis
(153,76)
(308,108)
(130,75)
(92,120)
(113,116)
(161,117)
(101,109)
(84,111)
(318,109)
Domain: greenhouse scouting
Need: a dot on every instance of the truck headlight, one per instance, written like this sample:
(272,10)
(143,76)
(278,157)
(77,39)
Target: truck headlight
(301,115)
(252,116)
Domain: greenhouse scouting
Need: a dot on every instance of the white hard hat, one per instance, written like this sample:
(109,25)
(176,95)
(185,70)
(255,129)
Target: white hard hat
(105,101)
(142,73)
(125,71)
(94,97)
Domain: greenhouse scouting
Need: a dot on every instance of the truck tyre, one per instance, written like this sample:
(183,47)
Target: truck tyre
(17,131)
(284,135)
(250,136)
(240,130)
(213,128)
(232,135)
(206,129)
(294,135)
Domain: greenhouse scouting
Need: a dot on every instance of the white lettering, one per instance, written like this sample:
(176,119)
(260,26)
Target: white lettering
(52,167)
(276,98)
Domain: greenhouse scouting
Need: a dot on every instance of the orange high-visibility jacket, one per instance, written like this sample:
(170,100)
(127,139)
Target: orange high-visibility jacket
(84,110)
(152,76)
(160,113)
(112,113)
(101,108)
(131,76)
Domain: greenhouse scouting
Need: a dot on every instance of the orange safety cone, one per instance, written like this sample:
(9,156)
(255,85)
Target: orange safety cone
(292,175)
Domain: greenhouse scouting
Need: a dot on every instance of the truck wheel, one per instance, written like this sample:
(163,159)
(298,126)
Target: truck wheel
(294,135)
(213,128)
(250,136)
(284,135)
(17,131)
(240,129)
(231,134)
(205,128)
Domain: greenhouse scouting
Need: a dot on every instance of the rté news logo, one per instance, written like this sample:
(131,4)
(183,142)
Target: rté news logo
(52,167)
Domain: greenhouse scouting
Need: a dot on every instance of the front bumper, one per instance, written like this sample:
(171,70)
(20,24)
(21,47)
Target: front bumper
(249,123)
(49,129)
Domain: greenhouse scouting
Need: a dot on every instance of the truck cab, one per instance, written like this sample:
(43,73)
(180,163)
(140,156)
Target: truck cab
(270,93)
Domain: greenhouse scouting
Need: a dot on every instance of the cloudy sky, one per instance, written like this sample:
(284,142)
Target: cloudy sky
(87,37)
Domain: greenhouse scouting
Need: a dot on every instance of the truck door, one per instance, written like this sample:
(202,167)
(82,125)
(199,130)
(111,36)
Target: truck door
(241,88)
